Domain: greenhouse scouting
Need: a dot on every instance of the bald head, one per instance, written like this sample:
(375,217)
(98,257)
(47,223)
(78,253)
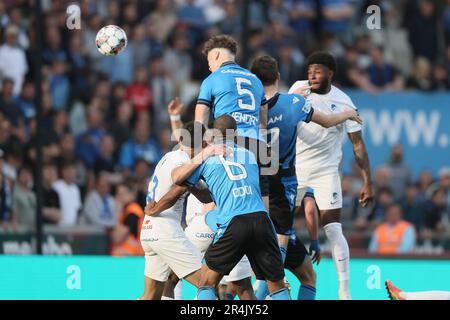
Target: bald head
(226,125)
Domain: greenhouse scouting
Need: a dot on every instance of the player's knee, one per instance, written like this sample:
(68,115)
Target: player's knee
(330,216)
(240,287)
(307,276)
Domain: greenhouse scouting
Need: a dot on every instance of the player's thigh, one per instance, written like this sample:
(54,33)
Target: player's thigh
(327,189)
(283,191)
(263,251)
(199,233)
(180,255)
(302,185)
(228,246)
(240,271)
(296,254)
(155,267)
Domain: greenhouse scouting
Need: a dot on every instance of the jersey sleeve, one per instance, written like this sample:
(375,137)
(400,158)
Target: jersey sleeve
(303,110)
(205,96)
(350,125)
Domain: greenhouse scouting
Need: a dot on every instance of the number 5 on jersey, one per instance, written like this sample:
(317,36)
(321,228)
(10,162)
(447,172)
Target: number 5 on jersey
(243,91)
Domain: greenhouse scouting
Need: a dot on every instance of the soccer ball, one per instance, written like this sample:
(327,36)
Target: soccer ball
(111,40)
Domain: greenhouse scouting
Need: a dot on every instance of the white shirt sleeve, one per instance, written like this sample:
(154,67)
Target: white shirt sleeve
(351,126)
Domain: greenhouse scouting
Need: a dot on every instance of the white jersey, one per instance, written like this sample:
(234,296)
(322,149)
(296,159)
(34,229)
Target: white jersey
(168,221)
(319,147)
(194,207)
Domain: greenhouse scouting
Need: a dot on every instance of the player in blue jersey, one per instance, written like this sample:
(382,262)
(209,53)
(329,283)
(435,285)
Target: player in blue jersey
(235,91)
(242,222)
(285,111)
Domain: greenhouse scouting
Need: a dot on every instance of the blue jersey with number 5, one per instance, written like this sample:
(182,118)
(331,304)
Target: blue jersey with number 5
(233,182)
(237,92)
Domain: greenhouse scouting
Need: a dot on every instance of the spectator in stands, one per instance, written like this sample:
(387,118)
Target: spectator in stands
(141,146)
(350,202)
(444,183)
(446,21)
(441,80)
(13,63)
(425,181)
(433,213)
(231,25)
(383,74)
(100,208)
(120,127)
(400,174)
(51,207)
(8,107)
(177,61)
(141,48)
(423,30)
(88,143)
(164,17)
(126,235)
(421,77)
(106,163)
(25,101)
(336,15)
(24,200)
(118,67)
(395,236)
(139,93)
(289,63)
(192,14)
(59,85)
(5,197)
(412,206)
(301,15)
(69,195)
(384,198)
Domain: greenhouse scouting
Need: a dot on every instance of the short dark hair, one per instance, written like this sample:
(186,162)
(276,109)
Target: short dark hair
(220,41)
(195,131)
(224,123)
(266,69)
(324,58)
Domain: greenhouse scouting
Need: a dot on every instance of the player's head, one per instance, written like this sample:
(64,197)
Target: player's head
(191,137)
(321,70)
(266,69)
(225,127)
(219,49)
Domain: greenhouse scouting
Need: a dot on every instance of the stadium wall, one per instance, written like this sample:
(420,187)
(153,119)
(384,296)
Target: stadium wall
(103,277)
(419,121)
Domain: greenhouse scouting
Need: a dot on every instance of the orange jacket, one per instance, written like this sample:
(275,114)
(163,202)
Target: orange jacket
(390,238)
(132,245)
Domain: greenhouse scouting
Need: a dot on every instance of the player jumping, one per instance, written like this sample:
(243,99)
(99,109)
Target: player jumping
(285,112)
(319,153)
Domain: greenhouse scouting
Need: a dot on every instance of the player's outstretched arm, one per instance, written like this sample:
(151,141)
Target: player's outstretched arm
(362,159)
(330,120)
(167,201)
(174,109)
(202,114)
(202,195)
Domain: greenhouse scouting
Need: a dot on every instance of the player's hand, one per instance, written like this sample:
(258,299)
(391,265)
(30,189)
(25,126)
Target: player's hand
(214,150)
(148,210)
(354,116)
(303,91)
(366,195)
(175,106)
(314,252)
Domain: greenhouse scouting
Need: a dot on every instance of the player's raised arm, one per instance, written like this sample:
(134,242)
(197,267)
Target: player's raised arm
(362,159)
(174,109)
(202,113)
(330,120)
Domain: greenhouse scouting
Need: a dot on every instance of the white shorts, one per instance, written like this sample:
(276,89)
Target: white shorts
(202,236)
(199,233)
(163,255)
(326,183)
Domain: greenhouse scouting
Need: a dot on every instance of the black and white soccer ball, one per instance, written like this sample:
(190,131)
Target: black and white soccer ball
(111,40)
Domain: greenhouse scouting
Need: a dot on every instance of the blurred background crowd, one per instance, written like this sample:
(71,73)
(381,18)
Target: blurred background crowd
(105,123)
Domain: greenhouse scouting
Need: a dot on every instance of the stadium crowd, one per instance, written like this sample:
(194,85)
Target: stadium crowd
(105,122)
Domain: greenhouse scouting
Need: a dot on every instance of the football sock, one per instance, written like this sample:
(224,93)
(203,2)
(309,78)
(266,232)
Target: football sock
(306,293)
(282,294)
(206,293)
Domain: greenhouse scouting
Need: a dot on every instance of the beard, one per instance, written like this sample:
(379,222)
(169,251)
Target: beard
(324,87)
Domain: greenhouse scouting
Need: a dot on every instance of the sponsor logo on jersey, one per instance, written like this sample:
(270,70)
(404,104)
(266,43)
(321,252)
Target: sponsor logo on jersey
(334,198)
(333,107)
(275,119)
(204,235)
(306,107)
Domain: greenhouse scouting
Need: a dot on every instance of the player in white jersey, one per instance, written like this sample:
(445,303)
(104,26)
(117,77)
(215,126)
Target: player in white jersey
(319,153)
(162,237)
